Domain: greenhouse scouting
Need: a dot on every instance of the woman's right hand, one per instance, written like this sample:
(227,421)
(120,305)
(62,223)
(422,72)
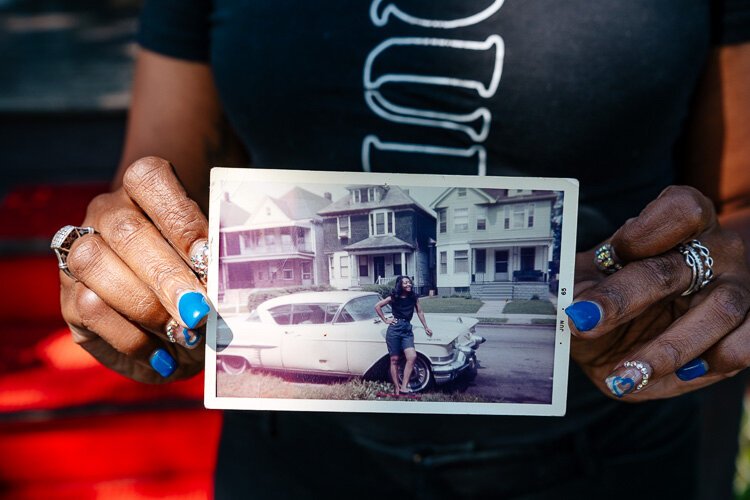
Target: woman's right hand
(137,274)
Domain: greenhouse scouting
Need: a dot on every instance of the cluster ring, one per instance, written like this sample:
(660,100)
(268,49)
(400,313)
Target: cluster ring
(172,329)
(698,258)
(641,367)
(604,258)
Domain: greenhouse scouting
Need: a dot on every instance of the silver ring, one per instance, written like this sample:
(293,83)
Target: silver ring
(63,240)
(698,258)
(172,328)
(604,258)
(199,259)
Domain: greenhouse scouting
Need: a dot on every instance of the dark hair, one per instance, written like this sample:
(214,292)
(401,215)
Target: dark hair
(398,287)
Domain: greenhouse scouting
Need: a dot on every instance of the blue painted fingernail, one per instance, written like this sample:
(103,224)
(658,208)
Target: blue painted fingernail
(585,315)
(692,370)
(191,339)
(193,308)
(163,363)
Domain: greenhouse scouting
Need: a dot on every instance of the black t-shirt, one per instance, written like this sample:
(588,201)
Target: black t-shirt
(403,307)
(598,91)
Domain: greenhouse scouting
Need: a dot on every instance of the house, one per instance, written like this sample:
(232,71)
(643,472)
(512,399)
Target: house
(490,236)
(275,245)
(375,233)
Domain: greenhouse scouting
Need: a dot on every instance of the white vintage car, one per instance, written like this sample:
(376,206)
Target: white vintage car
(339,333)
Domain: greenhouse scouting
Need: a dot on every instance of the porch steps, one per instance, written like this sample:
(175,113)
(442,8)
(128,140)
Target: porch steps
(508,290)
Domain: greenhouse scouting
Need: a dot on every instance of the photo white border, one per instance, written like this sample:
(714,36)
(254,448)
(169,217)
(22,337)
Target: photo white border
(557,407)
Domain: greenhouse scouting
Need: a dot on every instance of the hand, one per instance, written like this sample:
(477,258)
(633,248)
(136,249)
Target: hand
(389,321)
(134,276)
(638,314)
(428,331)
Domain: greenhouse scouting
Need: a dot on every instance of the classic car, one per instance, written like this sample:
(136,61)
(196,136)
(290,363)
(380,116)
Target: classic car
(339,333)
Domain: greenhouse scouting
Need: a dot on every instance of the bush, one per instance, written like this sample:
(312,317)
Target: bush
(382,290)
(259,297)
(534,297)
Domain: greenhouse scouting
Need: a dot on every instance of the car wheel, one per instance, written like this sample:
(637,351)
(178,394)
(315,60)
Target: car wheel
(233,365)
(421,375)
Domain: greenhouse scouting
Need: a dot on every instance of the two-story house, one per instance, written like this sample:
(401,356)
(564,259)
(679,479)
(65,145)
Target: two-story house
(492,235)
(274,245)
(376,233)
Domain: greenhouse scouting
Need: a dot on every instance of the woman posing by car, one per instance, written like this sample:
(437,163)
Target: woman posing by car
(400,337)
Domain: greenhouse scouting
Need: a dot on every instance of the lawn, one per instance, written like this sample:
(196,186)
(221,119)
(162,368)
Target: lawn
(450,305)
(529,307)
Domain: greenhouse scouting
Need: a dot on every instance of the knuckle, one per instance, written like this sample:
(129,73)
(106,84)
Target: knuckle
(145,172)
(91,308)
(160,274)
(670,354)
(730,359)
(614,300)
(125,225)
(661,270)
(183,218)
(98,205)
(728,305)
(85,255)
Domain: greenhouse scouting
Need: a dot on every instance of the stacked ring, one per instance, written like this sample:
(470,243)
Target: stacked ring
(604,258)
(63,240)
(698,258)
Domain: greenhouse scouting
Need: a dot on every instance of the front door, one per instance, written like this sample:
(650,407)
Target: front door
(480,265)
(378,267)
(501,265)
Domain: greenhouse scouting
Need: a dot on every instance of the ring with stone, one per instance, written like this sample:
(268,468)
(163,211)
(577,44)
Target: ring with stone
(199,259)
(604,258)
(63,240)
(698,258)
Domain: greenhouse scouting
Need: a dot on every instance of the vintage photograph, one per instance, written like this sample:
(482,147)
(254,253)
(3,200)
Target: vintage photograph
(375,292)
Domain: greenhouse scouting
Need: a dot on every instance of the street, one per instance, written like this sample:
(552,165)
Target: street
(516,364)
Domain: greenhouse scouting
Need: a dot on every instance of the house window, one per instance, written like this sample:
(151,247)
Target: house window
(344,223)
(481,218)
(506,217)
(381,222)
(301,237)
(364,269)
(397,264)
(461,192)
(287,273)
(443,220)
(270,240)
(530,216)
(273,273)
(330,266)
(443,262)
(365,195)
(344,266)
(461,261)
(460,219)
(519,212)
(306,270)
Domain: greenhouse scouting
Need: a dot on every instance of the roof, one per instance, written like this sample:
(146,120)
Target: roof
(315,297)
(379,242)
(493,196)
(394,197)
(299,203)
(231,214)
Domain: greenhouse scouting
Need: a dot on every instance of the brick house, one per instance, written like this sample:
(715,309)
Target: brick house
(376,233)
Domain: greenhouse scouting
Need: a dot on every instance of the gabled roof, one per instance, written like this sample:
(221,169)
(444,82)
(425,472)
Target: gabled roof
(493,196)
(379,243)
(299,203)
(394,197)
(231,214)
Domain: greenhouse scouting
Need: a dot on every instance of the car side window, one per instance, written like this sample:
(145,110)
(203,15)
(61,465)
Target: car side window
(308,314)
(282,315)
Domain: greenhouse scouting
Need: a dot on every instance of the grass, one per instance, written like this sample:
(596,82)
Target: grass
(492,321)
(262,384)
(543,321)
(450,305)
(529,307)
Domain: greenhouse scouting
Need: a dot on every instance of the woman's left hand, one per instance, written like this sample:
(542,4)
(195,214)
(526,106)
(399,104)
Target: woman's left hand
(634,334)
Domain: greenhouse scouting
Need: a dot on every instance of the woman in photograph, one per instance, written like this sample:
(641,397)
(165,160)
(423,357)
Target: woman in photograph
(630,98)
(400,338)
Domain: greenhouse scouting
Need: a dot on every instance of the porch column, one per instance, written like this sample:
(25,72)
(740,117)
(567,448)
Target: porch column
(353,269)
(403,264)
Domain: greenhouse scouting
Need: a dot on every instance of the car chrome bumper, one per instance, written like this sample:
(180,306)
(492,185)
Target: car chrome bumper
(449,371)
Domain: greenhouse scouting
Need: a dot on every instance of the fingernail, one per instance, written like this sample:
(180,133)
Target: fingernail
(163,363)
(632,376)
(191,338)
(692,370)
(585,315)
(193,308)
(199,258)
